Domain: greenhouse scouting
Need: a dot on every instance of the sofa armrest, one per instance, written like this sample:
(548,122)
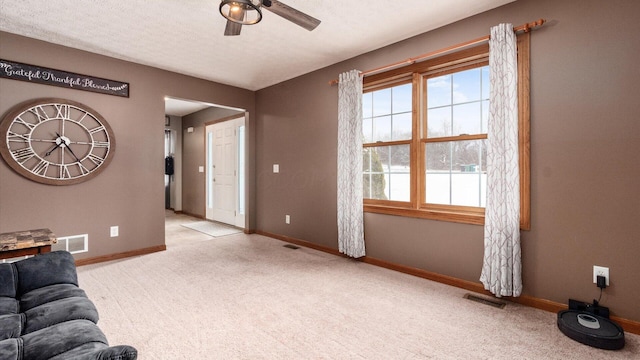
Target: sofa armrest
(10,349)
(98,351)
(119,352)
(8,280)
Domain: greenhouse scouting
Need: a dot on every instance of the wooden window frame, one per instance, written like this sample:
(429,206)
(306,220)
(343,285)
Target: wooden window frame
(461,60)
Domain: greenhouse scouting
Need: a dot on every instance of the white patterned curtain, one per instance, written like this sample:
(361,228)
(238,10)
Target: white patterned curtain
(502,269)
(350,205)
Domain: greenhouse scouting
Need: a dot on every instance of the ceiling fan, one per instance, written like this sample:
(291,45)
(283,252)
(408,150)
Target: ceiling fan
(248,12)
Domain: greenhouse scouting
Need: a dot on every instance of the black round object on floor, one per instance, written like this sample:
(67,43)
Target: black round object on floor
(590,329)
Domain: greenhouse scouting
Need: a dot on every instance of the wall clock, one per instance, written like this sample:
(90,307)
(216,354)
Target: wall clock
(56,141)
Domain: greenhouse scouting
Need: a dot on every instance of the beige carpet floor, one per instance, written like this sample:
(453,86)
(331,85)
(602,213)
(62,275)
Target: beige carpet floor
(248,297)
(177,235)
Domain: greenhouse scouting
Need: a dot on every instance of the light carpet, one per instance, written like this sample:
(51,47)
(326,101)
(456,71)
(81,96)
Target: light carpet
(212,228)
(248,297)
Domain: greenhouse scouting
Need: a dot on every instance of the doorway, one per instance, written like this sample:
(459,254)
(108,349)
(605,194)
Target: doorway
(190,119)
(225,174)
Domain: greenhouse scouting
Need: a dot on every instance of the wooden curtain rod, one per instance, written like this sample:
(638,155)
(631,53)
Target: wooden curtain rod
(524,27)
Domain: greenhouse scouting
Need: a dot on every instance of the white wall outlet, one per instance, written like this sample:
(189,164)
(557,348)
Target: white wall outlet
(600,271)
(287,219)
(276,168)
(114,231)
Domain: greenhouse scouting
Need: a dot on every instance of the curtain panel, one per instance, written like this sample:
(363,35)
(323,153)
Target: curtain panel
(502,269)
(350,203)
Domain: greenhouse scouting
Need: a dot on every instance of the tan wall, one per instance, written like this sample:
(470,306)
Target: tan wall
(130,192)
(585,137)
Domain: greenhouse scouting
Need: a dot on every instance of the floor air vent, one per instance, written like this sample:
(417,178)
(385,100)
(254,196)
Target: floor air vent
(491,302)
(291,246)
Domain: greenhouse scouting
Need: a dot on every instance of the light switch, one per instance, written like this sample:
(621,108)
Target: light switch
(276,168)
(200,168)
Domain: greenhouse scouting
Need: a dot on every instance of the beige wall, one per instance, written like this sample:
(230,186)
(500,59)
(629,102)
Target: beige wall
(130,192)
(585,137)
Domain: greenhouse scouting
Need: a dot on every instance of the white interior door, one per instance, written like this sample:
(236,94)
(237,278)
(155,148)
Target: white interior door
(223,163)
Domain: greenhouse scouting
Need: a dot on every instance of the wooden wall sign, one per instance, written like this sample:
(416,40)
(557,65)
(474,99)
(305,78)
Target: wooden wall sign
(41,75)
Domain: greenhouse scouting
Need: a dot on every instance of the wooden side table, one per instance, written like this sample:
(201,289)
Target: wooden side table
(28,242)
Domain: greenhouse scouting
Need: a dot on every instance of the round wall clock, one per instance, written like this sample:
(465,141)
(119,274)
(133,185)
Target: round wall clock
(56,141)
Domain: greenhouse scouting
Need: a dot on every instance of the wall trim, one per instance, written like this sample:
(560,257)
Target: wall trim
(122,255)
(538,303)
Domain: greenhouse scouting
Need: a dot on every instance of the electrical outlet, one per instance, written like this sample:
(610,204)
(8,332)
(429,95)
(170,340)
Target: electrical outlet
(287,219)
(114,231)
(600,271)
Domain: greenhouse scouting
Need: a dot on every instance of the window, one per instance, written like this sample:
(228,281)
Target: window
(457,109)
(387,130)
(424,137)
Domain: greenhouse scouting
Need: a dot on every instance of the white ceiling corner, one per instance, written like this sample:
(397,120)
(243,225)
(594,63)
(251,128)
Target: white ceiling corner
(186,36)
(177,107)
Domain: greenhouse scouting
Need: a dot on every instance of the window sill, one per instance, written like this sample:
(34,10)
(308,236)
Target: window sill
(455,214)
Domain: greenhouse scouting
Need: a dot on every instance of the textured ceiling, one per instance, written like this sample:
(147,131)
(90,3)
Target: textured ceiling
(186,36)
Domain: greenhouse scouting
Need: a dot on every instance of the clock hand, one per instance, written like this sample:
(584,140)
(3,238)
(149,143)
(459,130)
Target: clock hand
(67,146)
(50,151)
(58,143)
(72,153)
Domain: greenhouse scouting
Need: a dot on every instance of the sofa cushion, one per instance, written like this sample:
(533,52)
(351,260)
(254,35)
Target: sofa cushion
(49,293)
(8,280)
(11,326)
(56,267)
(9,305)
(10,349)
(59,311)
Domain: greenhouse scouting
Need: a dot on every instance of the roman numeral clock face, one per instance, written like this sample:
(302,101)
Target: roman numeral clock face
(56,141)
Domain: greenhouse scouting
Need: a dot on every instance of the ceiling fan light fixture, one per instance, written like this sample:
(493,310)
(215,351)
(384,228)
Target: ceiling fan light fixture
(245,12)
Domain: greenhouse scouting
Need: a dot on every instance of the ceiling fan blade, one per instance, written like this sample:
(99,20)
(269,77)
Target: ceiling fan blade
(291,14)
(233,28)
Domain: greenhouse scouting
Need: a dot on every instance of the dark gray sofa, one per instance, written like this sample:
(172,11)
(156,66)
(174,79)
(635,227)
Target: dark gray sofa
(45,315)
